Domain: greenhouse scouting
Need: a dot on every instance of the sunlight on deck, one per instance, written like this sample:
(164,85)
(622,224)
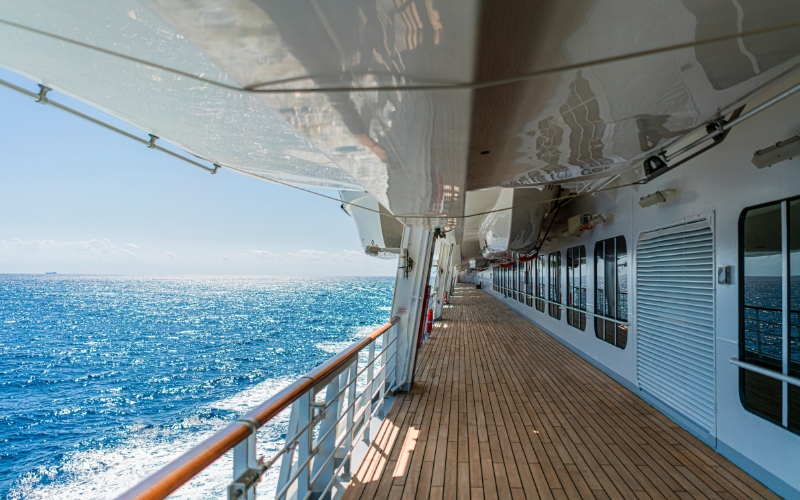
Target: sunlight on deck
(501,410)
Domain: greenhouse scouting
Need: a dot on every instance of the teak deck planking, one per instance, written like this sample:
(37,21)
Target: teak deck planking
(501,410)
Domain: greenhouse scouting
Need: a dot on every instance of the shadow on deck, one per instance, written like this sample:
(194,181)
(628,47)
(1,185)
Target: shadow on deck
(501,410)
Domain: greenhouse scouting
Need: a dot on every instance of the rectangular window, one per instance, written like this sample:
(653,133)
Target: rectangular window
(611,290)
(500,279)
(512,282)
(541,276)
(769,331)
(576,286)
(554,308)
(529,283)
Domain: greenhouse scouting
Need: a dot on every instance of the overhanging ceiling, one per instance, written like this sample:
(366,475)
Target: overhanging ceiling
(578,106)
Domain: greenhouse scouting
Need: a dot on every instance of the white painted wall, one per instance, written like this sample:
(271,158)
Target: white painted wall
(721,182)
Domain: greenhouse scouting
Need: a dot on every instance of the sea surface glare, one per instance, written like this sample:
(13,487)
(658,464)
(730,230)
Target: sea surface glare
(105,378)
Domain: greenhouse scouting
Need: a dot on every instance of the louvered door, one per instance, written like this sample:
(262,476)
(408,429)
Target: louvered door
(675,318)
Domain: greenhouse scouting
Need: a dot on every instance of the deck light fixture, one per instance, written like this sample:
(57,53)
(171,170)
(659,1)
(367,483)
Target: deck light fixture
(782,151)
(655,198)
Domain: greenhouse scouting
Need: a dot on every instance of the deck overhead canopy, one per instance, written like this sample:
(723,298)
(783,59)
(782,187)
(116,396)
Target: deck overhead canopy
(529,94)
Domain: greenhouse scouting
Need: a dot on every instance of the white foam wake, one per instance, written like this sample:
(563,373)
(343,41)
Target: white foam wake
(107,472)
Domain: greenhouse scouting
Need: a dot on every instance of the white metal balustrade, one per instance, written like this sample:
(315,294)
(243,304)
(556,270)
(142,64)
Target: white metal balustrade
(331,409)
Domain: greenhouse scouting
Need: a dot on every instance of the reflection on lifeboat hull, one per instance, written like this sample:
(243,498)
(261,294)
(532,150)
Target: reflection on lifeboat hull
(515,223)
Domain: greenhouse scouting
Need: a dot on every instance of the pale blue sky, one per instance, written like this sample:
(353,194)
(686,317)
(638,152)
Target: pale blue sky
(76,198)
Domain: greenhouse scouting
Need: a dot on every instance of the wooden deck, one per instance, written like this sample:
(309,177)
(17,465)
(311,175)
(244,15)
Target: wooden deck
(501,410)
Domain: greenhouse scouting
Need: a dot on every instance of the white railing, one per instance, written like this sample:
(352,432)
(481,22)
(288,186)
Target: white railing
(331,409)
(766,372)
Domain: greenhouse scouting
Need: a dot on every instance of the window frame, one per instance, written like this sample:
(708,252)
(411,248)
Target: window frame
(787,403)
(529,283)
(554,284)
(601,313)
(575,318)
(541,284)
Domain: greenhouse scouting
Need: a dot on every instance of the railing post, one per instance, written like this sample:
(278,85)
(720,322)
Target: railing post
(367,396)
(288,458)
(383,375)
(349,427)
(246,472)
(327,446)
(304,442)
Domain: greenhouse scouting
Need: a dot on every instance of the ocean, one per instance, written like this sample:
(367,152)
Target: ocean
(763,319)
(105,378)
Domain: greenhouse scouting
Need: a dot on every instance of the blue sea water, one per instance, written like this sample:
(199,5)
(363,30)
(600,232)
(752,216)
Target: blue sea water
(763,318)
(104,378)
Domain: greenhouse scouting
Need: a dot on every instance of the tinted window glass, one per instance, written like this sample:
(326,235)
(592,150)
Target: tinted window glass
(541,277)
(611,290)
(555,284)
(576,286)
(763,338)
(794,312)
(769,334)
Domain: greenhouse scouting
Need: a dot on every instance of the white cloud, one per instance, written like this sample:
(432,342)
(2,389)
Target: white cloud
(342,256)
(354,256)
(103,256)
(262,254)
(15,249)
(315,255)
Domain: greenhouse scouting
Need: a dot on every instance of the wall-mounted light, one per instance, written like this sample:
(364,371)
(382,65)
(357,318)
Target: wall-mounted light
(655,198)
(782,151)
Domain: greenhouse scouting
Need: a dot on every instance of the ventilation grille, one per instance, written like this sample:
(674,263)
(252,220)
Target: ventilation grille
(675,318)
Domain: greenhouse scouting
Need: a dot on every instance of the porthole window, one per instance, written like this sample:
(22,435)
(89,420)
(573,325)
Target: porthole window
(611,291)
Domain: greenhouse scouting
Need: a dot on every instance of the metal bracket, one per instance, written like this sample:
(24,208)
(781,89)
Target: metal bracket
(42,96)
(238,488)
(217,166)
(317,409)
(408,263)
(717,131)
(243,487)
(152,143)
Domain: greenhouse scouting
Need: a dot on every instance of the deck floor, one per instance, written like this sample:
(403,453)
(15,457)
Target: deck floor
(501,410)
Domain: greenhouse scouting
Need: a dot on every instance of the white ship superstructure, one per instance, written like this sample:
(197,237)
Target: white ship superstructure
(623,176)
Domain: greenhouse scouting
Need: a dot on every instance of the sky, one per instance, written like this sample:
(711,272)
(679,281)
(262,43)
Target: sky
(78,199)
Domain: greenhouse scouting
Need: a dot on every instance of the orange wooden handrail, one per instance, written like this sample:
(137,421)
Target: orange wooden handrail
(178,472)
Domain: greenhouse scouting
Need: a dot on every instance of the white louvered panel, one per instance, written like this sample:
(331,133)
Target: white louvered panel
(675,318)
